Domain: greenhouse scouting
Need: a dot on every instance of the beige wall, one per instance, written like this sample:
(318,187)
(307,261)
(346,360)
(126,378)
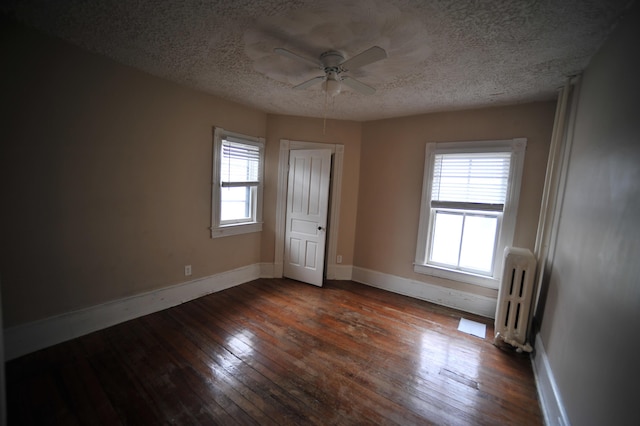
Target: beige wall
(347,133)
(105,177)
(392,164)
(591,322)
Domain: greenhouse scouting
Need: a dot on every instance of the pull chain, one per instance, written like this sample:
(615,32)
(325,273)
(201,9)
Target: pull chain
(326,108)
(324,113)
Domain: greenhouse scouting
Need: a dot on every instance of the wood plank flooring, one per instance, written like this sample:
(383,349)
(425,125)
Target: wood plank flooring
(279,352)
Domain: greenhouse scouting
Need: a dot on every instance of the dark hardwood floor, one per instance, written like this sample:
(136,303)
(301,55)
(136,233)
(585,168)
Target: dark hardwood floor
(279,352)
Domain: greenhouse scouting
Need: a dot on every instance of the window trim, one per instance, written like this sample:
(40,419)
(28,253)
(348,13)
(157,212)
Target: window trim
(506,234)
(223,229)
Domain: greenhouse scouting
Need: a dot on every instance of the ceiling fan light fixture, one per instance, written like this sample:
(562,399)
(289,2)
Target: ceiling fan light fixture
(334,65)
(332,87)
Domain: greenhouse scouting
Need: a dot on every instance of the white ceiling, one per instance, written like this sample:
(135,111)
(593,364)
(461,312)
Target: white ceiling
(442,54)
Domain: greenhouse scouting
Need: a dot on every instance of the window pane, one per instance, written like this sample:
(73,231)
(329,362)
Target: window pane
(478,242)
(235,203)
(447,230)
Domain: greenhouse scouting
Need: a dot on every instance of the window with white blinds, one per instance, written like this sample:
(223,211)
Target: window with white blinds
(468,210)
(237,184)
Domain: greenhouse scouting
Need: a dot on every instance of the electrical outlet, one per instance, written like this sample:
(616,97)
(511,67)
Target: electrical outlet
(187,270)
(339,259)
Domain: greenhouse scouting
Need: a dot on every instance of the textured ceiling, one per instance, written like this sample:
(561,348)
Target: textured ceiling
(442,54)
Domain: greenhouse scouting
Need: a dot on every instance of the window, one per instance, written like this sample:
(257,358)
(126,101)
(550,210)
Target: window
(468,210)
(238,163)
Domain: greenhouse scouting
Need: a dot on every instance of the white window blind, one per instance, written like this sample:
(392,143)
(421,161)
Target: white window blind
(477,181)
(240,165)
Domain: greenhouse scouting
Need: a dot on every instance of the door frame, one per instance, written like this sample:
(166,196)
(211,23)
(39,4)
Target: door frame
(337,153)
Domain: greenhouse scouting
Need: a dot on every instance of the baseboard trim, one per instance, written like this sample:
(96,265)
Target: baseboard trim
(340,272)
(267,270)
(464,301)
(30,337)
(548,394)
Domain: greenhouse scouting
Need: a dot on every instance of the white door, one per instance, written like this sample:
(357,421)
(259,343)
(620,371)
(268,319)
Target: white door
(306,218)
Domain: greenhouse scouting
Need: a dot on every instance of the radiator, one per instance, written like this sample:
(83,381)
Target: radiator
(514,298)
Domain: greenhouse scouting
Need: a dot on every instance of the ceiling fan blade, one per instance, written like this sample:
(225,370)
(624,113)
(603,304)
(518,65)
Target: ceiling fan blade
(296,57)
(358,86)
(369,56)
(309,83)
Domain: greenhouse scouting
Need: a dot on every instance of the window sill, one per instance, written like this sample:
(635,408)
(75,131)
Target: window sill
(236,229)
(450,274)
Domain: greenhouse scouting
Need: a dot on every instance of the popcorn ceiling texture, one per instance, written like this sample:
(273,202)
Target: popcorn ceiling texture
(442,55)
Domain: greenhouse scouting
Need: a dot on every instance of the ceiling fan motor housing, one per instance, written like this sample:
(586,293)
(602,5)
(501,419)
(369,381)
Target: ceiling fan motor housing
(331,61)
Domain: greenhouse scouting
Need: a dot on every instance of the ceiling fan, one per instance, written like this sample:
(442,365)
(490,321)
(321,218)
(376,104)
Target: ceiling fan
(334,65)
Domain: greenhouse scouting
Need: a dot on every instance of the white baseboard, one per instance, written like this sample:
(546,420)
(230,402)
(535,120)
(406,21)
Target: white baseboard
(339,272)
(550,400)
(267,270)
(468,302)
(26,338)
(334,272)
